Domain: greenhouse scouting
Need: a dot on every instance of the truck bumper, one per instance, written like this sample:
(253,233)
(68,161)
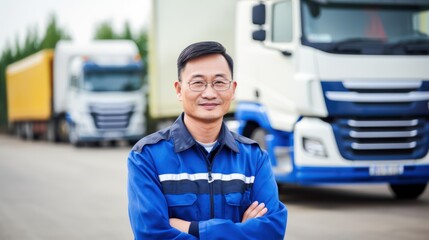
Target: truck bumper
(102,137)
(86,131)
(322,175)
(325,164)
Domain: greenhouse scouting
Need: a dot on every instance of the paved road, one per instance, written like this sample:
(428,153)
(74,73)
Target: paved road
(55,191)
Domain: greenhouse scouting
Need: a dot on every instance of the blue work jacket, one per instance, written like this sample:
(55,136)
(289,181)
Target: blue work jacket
(171,176)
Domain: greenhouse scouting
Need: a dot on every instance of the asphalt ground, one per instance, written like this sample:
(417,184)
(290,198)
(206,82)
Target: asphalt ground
(56,191)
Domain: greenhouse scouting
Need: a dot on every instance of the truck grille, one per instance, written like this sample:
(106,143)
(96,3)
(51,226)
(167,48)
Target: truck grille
(379,120)
(377,98)
(111,116)
(382,139)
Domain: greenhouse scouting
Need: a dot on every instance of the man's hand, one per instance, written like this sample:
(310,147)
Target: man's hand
(180,224)
(254,210)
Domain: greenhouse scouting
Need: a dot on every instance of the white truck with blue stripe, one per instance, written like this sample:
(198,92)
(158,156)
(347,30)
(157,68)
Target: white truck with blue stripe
(337,90)
(98,91)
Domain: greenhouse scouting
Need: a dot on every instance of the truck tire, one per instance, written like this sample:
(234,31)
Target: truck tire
(28,131)
(63,129)
(255,132)
(19,128)
(51,133)
(131,143)
(259,135)
(407,191)
(73,137)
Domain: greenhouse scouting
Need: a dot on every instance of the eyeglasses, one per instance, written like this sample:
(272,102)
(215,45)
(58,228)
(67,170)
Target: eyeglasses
(218,85)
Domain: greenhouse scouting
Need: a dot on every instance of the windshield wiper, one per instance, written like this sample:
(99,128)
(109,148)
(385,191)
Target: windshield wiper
(357,45)
(411,46)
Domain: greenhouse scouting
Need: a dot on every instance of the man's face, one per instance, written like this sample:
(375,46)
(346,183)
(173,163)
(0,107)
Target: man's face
(208,105)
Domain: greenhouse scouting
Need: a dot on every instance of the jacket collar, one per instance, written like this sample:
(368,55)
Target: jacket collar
(183,140)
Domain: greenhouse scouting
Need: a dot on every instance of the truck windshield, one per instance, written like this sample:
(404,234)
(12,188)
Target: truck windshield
(112,81)
(353,28)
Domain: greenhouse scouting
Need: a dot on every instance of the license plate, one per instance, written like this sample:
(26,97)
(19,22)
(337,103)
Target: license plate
(386,170)
(113,134)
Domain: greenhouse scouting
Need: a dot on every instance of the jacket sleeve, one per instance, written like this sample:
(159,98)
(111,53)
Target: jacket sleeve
(147,207)
(270,226)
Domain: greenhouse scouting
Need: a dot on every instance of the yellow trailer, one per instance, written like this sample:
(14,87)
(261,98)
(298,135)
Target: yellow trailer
(29,91)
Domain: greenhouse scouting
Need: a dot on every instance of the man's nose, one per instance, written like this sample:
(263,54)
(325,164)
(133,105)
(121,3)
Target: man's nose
(209,92)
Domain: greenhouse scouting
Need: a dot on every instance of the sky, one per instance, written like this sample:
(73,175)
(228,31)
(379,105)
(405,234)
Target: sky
(79,18)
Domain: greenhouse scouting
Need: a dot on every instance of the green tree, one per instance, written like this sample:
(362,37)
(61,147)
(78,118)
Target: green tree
(32,42)
(52,34)
(105,31)
(17,53)
(141,41)
(6,58)
(127,34)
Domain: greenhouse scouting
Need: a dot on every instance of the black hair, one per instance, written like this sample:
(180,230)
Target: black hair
(200,49)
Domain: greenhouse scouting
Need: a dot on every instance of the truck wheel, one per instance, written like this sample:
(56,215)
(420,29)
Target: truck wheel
(73,137)
(254,131)
(131,143)
(28,131)
(112,143)
(407,191)
(51,133)
(62,130)
(258,134)
(20,130)
(94,144)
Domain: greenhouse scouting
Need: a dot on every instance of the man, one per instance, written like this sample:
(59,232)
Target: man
(196,179)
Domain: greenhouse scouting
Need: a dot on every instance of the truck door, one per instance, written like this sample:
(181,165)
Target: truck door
(277,61)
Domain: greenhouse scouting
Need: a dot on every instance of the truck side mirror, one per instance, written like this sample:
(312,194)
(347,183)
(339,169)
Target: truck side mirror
(258,14)
(258,18)
(259,35)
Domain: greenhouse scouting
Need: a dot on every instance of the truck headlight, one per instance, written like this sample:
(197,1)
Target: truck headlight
(314,147)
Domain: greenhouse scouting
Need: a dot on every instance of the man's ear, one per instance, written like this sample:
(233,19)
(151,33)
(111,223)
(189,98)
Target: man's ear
(234,86)
(178,88)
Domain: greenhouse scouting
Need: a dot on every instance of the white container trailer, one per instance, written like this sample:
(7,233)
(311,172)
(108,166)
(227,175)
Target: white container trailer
(174,25)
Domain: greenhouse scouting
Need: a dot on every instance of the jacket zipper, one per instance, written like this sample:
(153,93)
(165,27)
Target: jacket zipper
(210,161)
(211,190)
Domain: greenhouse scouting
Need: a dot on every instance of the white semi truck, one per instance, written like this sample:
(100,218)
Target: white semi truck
(87,92)
(337,91)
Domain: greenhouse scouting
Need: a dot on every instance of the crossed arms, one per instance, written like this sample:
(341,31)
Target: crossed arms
(253,211)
